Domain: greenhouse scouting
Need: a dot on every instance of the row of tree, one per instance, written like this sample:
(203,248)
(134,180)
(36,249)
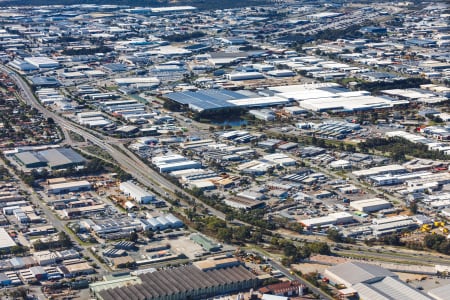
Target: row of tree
(398,148)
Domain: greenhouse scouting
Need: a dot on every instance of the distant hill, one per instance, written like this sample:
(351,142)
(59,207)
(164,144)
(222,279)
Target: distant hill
(201,4)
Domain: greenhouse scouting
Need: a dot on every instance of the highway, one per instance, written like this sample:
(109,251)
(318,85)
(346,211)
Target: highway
(126,159)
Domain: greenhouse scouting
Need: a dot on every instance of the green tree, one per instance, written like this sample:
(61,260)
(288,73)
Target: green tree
(133,237)
(334,235)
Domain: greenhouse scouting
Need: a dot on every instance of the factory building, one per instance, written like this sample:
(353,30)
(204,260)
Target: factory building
(68,187)
(393,224)
(372,282)
(244,76)
(6,242)
(139,194)
(370,205)
(61,158)
(327,221)
(170,163)
(390,169)
(186,282)
(42,62)
(209,100)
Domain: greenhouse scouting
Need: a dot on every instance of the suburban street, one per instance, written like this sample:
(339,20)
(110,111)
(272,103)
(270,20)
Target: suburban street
(127,160)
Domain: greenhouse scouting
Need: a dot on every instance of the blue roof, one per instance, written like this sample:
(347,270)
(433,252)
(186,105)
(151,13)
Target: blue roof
(45,81)
(206,99)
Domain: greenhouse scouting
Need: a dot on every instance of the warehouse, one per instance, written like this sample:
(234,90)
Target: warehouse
(440,293)
(243,203)
(280,159)
(372,282)
(390,169)
(138,81)
(42,62)
(205,99)
(170,163)
(244,76)
(68,187)
(203,241)
(392,224)
(222,99)
(370,205)
(185,282)
(139,194)
(327,221)
(6,241)
(30,160)
(62,158)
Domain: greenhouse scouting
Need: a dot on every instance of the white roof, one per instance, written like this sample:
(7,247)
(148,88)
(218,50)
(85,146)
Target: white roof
(5,240)
(136,80)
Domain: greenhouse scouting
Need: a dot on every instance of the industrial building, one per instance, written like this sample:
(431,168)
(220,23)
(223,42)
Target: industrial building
(139,194)
(332,97)
(332,219)
(161,222)
(61,158)
(440,293)
(372,282)
(6,241)
(203,241)
(392,224)
(221,99)
(370,205)
(42,62)
(390,169)
(237,76)
(170,163)
(243,203)
(186,282)
(68,187)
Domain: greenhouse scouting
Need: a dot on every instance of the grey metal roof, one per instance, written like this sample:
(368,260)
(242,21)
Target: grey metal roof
(177,280)
(356,272)
(28,158)
(440,293)
(206,99)
(61,157)
(389,289)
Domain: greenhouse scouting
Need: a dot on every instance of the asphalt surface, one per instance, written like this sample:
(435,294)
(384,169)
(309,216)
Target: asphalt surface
(126,159)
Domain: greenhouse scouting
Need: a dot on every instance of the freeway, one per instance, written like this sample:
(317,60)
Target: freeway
(126,159)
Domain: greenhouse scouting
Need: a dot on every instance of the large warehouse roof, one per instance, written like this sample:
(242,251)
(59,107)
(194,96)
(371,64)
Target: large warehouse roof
(388,288)
(5,240)
(373,282)
(61,157)
(177,280)
(206,99)
(356,272)
(29,158)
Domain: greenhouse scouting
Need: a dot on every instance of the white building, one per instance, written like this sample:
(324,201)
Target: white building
(67,187)
(331,219)
(370,205)
(6,241)
(42,62)
(139,194)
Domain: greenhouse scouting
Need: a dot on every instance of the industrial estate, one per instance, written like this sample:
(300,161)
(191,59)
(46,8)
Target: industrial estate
(284,150)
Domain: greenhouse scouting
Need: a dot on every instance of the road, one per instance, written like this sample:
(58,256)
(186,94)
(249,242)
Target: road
(126,159)
(287,273)
(52,219)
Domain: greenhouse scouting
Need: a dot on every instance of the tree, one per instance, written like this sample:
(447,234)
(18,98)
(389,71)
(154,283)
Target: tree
(64,240)
(334,235)
(224,234)
(133,237)
(413,207)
